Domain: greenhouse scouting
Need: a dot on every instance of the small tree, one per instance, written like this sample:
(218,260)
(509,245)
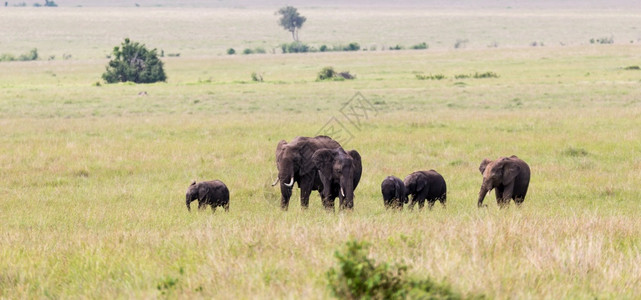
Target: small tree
(133,62)
(291,20)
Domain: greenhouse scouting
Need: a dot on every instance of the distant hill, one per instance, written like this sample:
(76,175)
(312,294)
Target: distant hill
(565,4)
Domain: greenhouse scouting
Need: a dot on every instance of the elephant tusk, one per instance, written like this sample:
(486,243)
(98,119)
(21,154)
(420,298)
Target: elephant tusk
(342,193)
(291,182)
(275,182)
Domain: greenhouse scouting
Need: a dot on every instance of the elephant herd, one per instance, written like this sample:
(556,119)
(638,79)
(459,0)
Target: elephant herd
(321,164)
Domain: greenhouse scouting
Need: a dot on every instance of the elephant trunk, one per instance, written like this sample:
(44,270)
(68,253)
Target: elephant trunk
(482,193)
(347,191)
(188,202)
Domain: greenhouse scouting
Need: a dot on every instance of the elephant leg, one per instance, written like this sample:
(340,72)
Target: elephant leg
(443,201)
(421,201)
(519,200)
(430,204)
(507,194)
(498,191)
(328,203)
(412,202)
(201,204)
(305,184)
(226,207)
(213,208)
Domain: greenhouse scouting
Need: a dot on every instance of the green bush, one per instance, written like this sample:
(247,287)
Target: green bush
(133,62)
(397,47)
(430,77)
(352,47)
(231,51)
(359,277)
(323,48)
(31,55)
(486,75)
(632,68)
(420,46)
(326,73)
(248,51)
(294,47)
(257,77)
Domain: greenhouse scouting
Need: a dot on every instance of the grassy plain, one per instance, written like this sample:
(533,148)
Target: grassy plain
(93,177)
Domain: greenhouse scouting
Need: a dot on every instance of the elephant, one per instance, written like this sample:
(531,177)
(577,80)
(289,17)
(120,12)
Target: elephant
(425,185)
(394,195)
(340,173)
(509,176)
(213,193)
(295,165)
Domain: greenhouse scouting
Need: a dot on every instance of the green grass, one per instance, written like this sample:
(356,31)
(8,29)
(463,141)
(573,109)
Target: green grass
(93,178)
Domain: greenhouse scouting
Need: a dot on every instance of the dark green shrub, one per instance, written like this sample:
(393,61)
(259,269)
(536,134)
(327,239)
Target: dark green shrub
(352,47)
(326,73)
(430,77)
(632,68)
(133,62)
(295,47)
(257,77)
(486,75)
(397,47)
(32,55)
(359,277)
(323,48)
(420,46)
(231,51)
(248,51)
(7,57)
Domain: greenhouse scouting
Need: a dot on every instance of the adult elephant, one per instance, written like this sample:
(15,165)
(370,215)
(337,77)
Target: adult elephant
(508,176)
(340,172)
(295,165)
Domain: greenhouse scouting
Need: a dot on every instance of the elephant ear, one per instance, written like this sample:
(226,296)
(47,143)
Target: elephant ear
(279,150)
(420,184)
(357,166)
(510,171)
(323,159)
(483,165)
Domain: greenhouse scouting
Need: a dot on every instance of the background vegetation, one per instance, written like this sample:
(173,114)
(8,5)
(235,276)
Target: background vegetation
(93,176)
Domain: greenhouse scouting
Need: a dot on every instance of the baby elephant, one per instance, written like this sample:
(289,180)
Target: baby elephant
(508,176)
(425,185)
(214,193)
(393,190)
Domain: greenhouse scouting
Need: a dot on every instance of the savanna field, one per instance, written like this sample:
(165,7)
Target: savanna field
(93,175)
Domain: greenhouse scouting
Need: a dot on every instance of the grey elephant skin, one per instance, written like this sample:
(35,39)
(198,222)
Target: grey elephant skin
(393,190)
(213,193)
(295,165)
(339,172)
(427,186)
(508,176)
